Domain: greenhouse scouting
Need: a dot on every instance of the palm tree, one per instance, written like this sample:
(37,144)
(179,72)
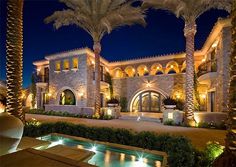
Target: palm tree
(228,157)
(97,18)
(189,11)
(14,62)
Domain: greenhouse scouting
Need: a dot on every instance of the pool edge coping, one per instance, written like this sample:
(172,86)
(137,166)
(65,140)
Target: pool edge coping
(133,148)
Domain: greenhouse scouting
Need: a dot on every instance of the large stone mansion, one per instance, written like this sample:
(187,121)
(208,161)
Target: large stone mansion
(66,80)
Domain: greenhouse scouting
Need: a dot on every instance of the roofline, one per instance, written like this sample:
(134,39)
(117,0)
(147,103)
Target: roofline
(219,25)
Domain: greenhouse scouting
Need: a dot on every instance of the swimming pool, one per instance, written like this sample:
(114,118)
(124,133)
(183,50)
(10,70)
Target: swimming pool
(110,155)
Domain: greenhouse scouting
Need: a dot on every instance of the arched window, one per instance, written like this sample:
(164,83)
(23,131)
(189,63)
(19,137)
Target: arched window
(172,71)
(148,101)
(67,97)
(159,72)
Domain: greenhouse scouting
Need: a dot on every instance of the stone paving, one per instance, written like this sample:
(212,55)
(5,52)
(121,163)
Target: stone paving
(198,136)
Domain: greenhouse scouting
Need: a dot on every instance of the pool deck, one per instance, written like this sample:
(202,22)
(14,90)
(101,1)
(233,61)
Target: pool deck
(35,158)
(198,136)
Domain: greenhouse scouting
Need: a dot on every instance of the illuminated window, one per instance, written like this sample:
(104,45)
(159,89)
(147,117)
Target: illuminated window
(75,63)
(66,65)
(58,66)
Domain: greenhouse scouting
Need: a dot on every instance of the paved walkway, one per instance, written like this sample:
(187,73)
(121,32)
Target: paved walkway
(198,136)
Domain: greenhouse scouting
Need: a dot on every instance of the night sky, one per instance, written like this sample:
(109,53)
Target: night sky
(162,35)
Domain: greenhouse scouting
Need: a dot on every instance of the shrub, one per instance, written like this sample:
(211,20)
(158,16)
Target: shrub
(123,104)
(67,114)
(179,149)
(169,101)
(113,101)
(169,122)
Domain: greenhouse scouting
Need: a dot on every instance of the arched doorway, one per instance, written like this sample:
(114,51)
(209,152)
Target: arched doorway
(147,101)
(67,97)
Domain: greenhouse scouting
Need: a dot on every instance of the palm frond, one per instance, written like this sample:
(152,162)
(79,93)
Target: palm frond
(98,17)
(189,10)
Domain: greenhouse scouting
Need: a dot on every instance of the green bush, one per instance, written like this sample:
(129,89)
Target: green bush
(123,104)
(67,114)
(169,122)
(179,149)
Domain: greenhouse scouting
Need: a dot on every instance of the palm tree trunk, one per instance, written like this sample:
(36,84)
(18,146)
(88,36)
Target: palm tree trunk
(14,57)
(189,32)
(97,50)
(228,157)
(231,136)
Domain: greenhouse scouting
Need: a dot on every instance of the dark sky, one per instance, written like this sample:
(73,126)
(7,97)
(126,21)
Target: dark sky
(162,35)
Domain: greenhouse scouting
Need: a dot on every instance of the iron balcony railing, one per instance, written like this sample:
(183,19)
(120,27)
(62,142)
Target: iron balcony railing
(206,67)
(42,78)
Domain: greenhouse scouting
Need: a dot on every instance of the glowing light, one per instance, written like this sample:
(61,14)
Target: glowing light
(140,159)
(80,147)
(55,143)
(170,115)
(203,96)
(214,45)
(93,149)
(148,85)
(81,95)
(158,164)
(171,66)
(2,108)
(178,96)
(158,68)
(49,94)
(38,69)
(122,156)
(93,62)
(109,112)
(133,158)
(203,60)
(138,119)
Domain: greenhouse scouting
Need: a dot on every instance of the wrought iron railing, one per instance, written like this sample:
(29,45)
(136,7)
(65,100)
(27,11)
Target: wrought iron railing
(206,67)
(42,78)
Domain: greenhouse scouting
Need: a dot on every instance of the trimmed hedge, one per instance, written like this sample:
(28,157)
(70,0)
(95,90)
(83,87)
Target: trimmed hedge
(66,114)
(179,149)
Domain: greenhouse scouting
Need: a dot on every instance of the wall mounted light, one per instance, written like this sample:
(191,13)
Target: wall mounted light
(148,84)
(81,95)
(158,68)
(170,115)
(171,66)
(177,96)
(214,45)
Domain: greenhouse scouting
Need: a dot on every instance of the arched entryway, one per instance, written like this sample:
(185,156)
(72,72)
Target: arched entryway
(146,101)
(67,97)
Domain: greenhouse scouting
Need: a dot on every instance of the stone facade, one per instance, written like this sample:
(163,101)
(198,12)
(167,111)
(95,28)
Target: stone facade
(164,75)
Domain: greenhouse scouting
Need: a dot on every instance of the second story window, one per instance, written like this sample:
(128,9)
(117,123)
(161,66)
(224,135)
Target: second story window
(58,66)
(66,65)
(75,63)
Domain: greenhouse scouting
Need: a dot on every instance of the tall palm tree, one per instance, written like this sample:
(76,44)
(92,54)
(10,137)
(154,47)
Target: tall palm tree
(228,157)
(14,62)
(189,11)
(97,18)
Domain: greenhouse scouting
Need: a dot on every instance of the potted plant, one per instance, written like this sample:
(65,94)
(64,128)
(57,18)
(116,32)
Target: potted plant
(113,102)
(169,103)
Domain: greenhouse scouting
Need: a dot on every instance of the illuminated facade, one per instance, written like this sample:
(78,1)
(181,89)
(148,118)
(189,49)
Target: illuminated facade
(66,80)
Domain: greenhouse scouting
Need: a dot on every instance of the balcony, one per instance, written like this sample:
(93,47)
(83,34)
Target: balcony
(207,71)
(42,80)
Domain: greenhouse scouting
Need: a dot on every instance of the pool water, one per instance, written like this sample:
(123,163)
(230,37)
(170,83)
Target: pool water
(107,156)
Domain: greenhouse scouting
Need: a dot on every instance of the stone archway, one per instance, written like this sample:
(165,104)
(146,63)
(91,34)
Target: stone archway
(147,100)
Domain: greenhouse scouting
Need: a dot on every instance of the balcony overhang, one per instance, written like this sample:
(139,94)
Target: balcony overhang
(42,84)
(207,78)
(103,85)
